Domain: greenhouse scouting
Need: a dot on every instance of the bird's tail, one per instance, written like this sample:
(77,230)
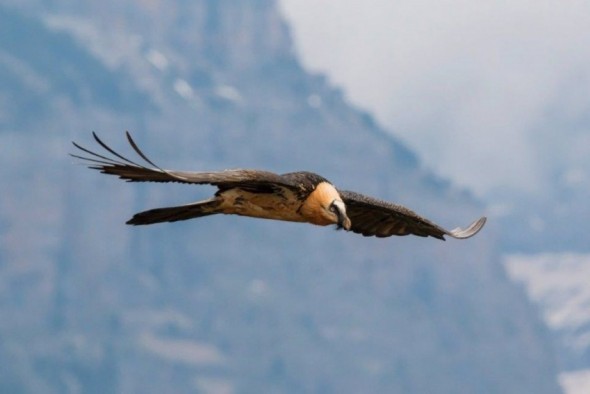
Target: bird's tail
(173,214)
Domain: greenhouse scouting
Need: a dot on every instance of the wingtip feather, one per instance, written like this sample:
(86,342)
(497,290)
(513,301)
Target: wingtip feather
(470,231)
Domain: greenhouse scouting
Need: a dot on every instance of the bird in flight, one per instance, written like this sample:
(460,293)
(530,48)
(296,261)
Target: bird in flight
(296,197)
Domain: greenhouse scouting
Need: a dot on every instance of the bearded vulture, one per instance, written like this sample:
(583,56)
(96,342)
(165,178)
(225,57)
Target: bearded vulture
(296,197)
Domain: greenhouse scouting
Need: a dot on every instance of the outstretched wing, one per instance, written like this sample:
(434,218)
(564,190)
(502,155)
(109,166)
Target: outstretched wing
(373,217)
(114,163)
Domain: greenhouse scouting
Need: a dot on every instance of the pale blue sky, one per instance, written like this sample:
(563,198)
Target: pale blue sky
(492,94)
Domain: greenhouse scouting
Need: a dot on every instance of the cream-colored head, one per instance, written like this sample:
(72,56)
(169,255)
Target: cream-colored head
(324,206)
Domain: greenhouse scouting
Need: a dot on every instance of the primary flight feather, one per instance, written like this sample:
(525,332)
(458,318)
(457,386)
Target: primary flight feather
(297,197)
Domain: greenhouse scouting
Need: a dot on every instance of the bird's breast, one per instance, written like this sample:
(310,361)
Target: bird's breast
(278,206)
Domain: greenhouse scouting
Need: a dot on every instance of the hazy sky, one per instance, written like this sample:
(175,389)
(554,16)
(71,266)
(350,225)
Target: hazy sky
(490,93)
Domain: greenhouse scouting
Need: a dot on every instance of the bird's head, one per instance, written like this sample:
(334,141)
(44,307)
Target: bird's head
(324,206)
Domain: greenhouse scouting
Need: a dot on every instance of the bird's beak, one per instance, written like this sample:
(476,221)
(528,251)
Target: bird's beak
(344,222)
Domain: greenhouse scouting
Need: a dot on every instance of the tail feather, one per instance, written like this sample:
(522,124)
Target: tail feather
(174,214)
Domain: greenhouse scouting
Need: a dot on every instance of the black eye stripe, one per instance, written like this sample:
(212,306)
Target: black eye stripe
(333,207)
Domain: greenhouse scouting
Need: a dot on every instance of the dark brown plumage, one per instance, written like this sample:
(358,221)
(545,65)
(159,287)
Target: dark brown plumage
(370,216)
(298,196)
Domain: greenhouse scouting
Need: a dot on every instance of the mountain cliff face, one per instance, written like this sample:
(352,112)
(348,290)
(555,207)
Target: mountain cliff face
(225,304)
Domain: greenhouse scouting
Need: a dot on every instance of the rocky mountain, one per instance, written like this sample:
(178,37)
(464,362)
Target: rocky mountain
(225,304)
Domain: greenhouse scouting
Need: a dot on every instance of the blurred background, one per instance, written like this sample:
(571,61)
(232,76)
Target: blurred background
(452,108)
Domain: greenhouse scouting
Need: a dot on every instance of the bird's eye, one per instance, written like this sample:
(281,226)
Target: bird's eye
(333,208)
